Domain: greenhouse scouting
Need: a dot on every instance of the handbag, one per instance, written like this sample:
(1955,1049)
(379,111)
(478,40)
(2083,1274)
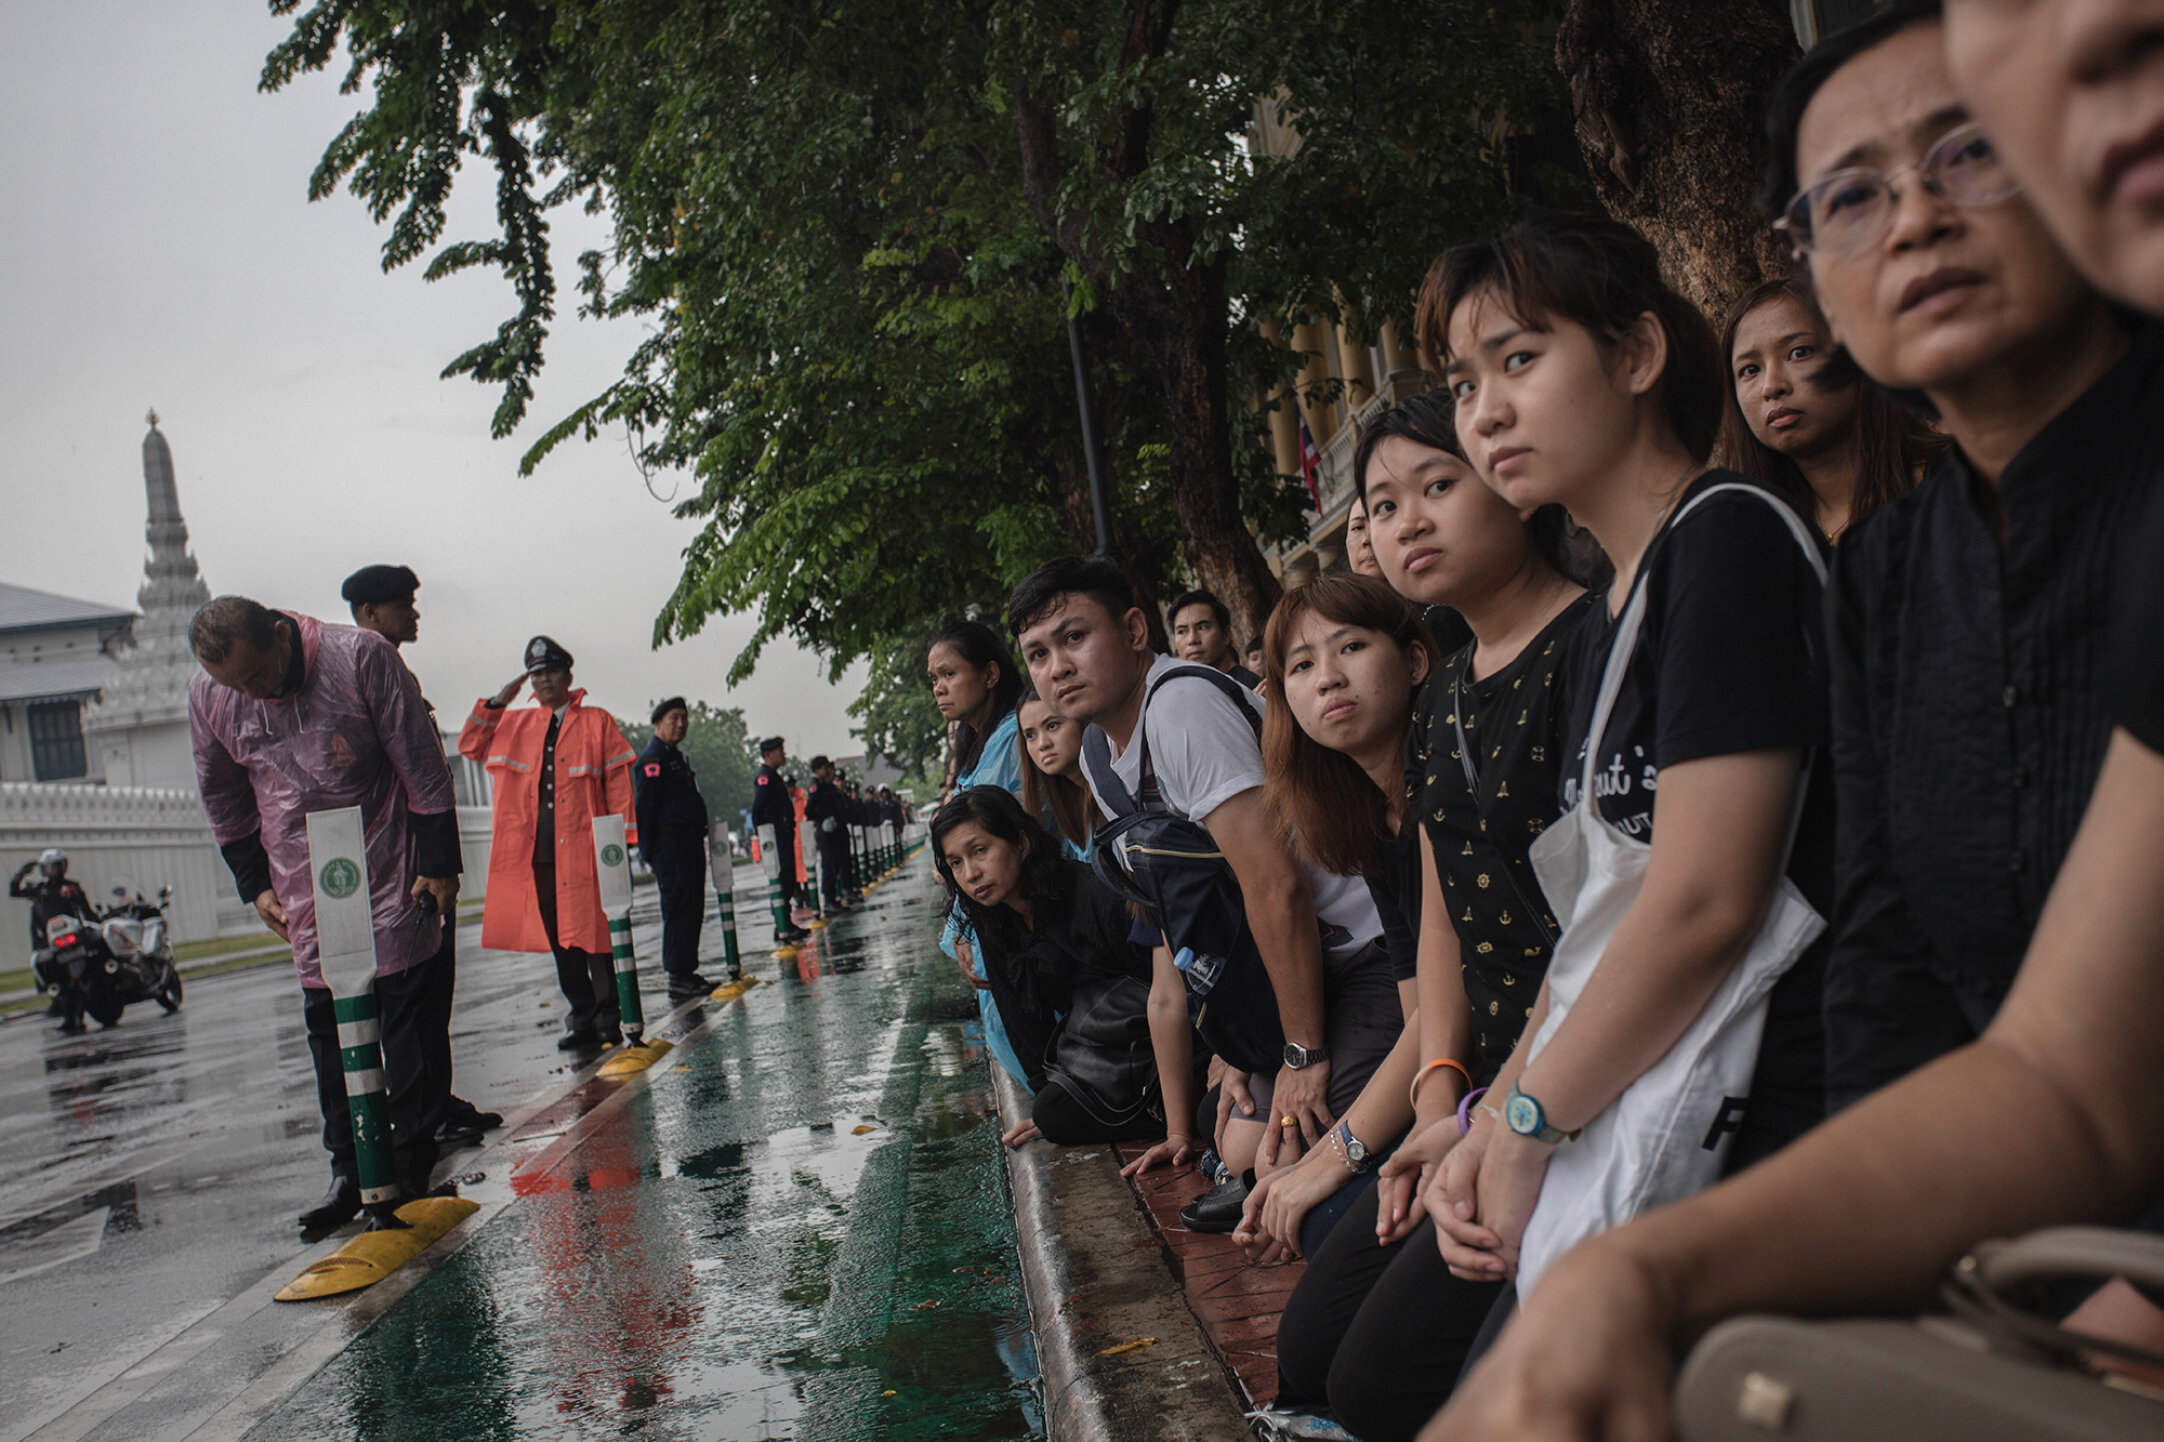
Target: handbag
(1663,1138)
(1173,869)
(1101,1054)
(1991,1370)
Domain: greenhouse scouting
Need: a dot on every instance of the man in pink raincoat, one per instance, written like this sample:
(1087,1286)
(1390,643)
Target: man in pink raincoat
(289,716)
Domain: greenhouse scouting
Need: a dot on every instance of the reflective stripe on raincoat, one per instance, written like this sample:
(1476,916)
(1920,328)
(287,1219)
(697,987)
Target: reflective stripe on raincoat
(357,733)
(593,778)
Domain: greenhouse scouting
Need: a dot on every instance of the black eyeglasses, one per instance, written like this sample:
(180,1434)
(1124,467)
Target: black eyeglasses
(1853,208)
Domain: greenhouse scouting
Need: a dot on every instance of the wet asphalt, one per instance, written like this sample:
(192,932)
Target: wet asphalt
(793,1227)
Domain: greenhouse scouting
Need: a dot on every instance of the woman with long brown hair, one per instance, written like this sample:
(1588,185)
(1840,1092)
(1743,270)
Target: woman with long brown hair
(1345,655)
(1800,416)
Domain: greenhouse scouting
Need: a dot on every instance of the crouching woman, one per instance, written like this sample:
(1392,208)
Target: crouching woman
(1060,955)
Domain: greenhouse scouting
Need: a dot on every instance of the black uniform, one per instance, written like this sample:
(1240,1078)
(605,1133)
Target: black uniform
(772,806)
(672,839)
(827,810)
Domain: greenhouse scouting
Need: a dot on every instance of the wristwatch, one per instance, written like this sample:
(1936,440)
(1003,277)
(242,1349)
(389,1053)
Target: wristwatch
(1298,1056)
(1353,1149)
(1523,1115)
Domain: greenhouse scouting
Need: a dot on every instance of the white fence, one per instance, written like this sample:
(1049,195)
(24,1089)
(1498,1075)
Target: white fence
(154,838)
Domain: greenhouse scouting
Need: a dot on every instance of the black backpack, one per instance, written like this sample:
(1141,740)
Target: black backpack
(1172,868)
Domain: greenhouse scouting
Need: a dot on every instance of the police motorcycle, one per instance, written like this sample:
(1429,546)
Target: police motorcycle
(102,964)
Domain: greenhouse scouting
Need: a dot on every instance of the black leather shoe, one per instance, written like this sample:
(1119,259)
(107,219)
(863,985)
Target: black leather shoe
(578,1041)
(688,985)
(458,1134)
(340,1205)
(612,1037)
(462,1113)
(1217,1210)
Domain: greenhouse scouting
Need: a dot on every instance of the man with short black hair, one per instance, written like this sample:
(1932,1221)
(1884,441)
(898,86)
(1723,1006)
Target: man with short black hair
(772,805)
(381,599)
(1202,633)
(1087,648)
(672,839)
(291,715)
(827,810)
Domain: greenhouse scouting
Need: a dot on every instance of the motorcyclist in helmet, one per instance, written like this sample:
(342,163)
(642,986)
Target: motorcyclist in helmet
(50,894)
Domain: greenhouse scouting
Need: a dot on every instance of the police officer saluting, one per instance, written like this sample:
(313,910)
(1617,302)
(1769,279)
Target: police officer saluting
(672,839)
(771,805)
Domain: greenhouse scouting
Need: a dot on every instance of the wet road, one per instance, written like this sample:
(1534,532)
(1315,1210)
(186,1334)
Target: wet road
(793,1227)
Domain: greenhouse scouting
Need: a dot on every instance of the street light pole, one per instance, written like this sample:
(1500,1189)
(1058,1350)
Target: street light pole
(1092,453)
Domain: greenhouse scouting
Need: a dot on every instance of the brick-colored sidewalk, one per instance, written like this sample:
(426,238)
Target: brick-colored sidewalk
(1236,1301)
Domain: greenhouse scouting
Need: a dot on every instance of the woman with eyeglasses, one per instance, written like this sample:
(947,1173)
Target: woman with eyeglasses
(1966,620)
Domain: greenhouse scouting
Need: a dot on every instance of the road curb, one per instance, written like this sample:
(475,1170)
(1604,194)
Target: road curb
(1097,1281)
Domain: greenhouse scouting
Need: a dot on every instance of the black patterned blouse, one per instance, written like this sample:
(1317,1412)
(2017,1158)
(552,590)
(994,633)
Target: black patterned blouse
(1514,721)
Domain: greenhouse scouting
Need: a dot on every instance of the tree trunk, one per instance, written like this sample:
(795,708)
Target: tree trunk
(1669,98)
(1174,315)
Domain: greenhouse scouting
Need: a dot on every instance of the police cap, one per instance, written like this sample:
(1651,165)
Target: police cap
(772,743)
(379,585)
(674,703)
(542,654)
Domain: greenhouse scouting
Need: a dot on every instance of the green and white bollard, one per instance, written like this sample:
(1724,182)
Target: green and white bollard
(818,884)
(612,870)
(723,867)
(770,862)
(346,944)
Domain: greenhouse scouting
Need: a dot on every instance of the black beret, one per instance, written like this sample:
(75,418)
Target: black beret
(542,654)
(674,703)
(772,743)
(375,585)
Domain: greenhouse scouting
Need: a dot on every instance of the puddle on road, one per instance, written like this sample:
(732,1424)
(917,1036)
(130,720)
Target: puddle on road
(727,1257)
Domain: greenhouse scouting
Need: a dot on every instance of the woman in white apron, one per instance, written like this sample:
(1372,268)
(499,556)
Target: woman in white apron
(1581,379)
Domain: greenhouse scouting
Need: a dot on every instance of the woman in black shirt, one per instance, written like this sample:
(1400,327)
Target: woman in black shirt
(1966,621)
(1074,990)
(1478,924)
(1581,379)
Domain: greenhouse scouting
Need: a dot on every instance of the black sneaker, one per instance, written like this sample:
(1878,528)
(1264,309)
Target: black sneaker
(578,1041)
(688,985)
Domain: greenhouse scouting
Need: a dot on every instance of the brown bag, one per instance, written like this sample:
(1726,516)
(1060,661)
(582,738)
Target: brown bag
(1990,1370)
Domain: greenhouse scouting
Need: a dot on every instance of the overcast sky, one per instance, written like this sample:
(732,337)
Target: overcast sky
(160,251)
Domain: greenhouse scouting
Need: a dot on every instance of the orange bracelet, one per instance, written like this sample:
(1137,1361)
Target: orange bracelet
(1456,1066)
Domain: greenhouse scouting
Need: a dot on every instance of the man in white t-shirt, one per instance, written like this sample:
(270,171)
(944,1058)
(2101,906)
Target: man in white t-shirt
(1086,646)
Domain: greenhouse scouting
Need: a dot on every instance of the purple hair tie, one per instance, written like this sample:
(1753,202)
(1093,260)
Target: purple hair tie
(1465,1109)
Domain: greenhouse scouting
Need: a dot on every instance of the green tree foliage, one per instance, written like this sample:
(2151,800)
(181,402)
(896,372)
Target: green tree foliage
(897,718)
(721,756)
(854,234)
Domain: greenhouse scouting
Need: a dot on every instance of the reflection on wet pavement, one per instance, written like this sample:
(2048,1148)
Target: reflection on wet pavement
(800,1231)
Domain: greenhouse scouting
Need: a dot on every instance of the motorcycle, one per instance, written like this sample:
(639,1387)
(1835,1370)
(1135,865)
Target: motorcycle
(101,964)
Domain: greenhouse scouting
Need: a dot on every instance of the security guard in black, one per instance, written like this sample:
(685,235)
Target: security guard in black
(772,806)
(672,840)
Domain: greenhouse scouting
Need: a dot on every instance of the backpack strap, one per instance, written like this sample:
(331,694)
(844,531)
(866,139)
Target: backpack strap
(1097,748)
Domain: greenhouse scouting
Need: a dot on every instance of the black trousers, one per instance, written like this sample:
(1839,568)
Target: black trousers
(412,1096)
(1343,1338)
(834,868)
(588,978)
(679,864)
(436,1014)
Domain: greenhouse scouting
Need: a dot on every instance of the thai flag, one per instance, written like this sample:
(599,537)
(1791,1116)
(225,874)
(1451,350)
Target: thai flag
(1311,467)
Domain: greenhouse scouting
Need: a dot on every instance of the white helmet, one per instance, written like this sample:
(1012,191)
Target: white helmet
(52,856)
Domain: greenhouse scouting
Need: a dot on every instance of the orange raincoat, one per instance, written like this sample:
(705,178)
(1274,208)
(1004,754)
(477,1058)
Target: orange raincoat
(593,778)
